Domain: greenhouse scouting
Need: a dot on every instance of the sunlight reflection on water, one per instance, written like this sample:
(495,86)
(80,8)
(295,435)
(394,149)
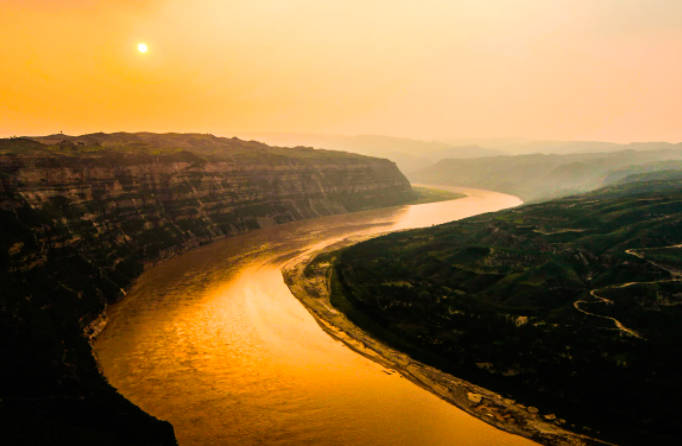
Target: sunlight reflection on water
(214,342)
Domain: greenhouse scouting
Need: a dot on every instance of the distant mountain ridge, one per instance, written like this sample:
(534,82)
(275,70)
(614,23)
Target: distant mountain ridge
(409,154)
(557,147)
(412,154)
(539,176)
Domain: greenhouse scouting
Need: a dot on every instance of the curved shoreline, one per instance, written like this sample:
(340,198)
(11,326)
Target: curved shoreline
(291,249)
(308,281)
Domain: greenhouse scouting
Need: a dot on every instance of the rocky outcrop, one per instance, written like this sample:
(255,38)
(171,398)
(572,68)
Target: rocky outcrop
(82,216)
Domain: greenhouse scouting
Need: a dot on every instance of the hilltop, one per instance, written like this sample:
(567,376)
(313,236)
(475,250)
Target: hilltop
(146,143)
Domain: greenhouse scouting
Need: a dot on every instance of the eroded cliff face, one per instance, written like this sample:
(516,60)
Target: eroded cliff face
(150,206)
(78,228)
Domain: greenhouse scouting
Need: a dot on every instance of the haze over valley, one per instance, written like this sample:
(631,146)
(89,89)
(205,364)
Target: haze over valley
(294,222)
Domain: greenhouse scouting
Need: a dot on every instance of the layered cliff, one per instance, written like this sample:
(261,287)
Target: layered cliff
(81,216)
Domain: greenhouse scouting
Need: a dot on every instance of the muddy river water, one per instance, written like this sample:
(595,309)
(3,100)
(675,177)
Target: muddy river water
(214,342)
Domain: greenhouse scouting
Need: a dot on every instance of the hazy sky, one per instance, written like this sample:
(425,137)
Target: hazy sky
(553,69)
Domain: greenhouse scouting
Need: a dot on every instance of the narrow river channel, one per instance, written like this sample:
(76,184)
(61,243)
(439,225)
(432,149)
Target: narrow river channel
(214,342)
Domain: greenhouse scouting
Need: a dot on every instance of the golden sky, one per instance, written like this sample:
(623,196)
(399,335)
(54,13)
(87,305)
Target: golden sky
(551,69)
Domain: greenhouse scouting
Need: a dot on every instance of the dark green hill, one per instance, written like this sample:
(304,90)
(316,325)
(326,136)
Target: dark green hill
(572,305)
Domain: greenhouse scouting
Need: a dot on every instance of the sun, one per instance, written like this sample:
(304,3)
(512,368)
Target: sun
(142,47)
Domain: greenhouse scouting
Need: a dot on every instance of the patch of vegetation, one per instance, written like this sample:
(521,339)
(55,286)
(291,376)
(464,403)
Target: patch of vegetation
(430,195)
(670,257)
(525,302)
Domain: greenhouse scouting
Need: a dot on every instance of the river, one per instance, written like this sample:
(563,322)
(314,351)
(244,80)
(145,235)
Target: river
(214,342)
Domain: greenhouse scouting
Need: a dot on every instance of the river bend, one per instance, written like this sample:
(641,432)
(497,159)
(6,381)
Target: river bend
(214,342)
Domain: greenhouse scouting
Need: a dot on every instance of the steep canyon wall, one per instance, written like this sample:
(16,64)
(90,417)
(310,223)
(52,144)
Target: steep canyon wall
(80,219)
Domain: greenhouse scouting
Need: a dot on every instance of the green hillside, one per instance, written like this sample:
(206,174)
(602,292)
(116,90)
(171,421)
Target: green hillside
(572,305)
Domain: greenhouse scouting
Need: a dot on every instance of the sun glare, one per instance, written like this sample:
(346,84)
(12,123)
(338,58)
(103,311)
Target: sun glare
(142,47)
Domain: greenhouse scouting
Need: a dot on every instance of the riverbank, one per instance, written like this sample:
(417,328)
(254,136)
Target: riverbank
(430,194)
(424,194)
(241,361)
(308,277)
(84,216)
